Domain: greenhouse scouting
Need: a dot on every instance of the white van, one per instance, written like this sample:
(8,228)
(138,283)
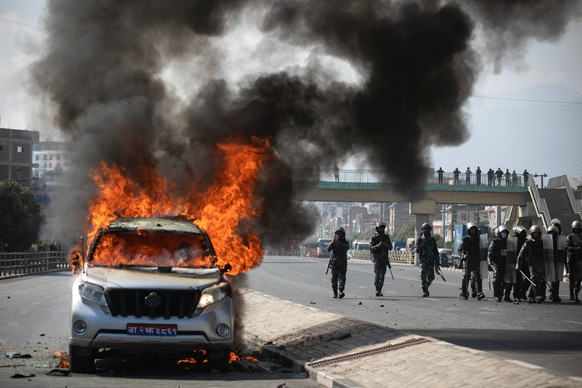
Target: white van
(360,250)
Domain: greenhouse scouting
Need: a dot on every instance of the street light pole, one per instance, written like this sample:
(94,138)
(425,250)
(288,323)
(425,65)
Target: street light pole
(542,176)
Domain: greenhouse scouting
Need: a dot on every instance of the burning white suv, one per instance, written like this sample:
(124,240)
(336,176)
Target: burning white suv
(150,285)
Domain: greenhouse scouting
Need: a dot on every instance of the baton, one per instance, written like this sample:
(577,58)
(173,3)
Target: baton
(390,269)
(533,285)
(441,275)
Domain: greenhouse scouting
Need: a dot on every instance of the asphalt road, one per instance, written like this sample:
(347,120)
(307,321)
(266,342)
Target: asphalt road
(548,335)
(34,314)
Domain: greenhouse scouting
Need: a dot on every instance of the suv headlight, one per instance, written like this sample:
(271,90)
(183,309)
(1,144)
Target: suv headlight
(96,294)
(212,295)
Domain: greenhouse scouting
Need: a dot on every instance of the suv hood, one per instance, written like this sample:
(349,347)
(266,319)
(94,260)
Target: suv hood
(133,278)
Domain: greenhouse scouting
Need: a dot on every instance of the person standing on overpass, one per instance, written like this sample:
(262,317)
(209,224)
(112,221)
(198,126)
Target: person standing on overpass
(380,244)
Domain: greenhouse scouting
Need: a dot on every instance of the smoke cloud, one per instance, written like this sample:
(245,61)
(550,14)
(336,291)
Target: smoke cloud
(103,71)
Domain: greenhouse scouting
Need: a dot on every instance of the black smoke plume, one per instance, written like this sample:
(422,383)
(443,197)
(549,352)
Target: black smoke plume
(103,69)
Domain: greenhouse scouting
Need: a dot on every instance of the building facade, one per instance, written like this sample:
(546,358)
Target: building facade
(16,147)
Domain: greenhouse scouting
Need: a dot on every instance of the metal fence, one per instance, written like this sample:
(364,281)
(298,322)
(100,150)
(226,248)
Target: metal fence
(404,257)
(29,263)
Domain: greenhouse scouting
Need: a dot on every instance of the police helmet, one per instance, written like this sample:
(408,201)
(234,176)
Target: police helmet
(380,224)
(519,230)
(340,230)
(553,229)
(535,229)
(576,225)
(556,222)
(472,225)
(426,226)
(503,228)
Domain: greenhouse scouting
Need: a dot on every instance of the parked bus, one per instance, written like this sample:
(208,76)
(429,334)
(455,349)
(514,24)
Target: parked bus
(322,245)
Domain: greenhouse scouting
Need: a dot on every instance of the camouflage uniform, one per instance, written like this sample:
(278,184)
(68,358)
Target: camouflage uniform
(470,248)
(532,254)
(497,256)
(574,249)
(380,244)
(339,266)
(428,256)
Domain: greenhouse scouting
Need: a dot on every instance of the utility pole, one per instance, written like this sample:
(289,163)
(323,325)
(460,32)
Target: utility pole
(542,176)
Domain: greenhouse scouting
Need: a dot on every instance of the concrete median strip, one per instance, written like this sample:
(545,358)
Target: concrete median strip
(342,352)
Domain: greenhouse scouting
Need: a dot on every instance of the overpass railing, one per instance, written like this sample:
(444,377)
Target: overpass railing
(14,264)
(446,178)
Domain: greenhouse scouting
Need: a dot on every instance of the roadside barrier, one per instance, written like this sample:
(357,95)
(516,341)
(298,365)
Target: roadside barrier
(15,264)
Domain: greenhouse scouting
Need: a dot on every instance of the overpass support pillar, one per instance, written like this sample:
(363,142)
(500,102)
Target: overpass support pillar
(421,209)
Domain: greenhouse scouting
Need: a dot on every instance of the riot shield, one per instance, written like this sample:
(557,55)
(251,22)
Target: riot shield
(560,258)
(510,260)
(483,246)
(549,257)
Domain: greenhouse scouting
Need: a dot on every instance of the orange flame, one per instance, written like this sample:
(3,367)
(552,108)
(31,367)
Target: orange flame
(233,357)
(224,210)
(64,359)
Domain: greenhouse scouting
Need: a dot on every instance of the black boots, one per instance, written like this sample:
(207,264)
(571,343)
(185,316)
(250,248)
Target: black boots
(425,292)
(379,292)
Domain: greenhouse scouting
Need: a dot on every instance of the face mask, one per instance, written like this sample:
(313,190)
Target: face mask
(503,234)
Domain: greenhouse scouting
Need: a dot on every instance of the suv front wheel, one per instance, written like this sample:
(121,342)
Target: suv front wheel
(80,361)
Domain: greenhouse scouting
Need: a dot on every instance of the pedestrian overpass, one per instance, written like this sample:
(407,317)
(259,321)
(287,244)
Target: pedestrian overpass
(528,204)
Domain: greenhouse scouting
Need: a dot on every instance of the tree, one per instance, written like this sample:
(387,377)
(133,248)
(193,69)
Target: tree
(403,233)
(20,217)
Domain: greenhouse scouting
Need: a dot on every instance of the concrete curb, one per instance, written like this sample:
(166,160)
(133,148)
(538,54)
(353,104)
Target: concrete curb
(342,352)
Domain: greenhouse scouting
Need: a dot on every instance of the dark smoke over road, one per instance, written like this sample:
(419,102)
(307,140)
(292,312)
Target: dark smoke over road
(103,73)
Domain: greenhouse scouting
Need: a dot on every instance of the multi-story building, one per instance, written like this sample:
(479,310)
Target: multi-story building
(16,155)
(50,159)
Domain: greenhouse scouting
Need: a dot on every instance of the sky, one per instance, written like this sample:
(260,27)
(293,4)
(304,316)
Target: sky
(527,116)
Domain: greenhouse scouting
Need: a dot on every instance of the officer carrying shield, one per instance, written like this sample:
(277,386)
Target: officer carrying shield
(469,249)
(497,258)
(532,254)
(574,249)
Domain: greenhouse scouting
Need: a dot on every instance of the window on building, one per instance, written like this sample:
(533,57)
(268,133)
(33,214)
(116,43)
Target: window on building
(1,147)
(50,165)
(37,158)
(19,149)
(44,157)
(58,157)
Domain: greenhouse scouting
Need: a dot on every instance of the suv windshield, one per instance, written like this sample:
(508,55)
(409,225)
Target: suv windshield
(152,249)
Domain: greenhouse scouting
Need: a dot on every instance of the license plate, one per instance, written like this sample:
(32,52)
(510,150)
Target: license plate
(152,330)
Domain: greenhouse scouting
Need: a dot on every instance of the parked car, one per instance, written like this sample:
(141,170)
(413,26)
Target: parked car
(150,285)
(445,257)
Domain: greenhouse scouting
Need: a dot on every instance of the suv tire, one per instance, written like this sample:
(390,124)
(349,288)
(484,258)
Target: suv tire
(79,362)
(220,362)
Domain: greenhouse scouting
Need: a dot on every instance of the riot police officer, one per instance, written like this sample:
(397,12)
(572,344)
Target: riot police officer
(380,244)
(521,284)
(469,249)
(428,256)
(339,266)
(557,272)
(497,258)
(574,267)
(532,256)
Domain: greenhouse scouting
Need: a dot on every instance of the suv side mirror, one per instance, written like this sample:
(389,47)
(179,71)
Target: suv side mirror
(226,268)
